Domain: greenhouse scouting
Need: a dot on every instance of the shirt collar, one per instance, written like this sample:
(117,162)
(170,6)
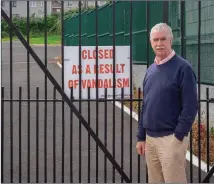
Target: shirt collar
(165,59)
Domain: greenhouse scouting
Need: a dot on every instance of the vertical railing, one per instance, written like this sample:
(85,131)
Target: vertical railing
(20,134)
(183,54)
(71,140)
(139,162)
(114,63)
(147,48)
(63,104)
(37,136)
(208,128)
(97,89)
(80,90)
(2,134)
(199,91)
(131,86)
(54,135)
(165,11)
(11,97)
(45,113)
(28,89)
(122,131)
(105,135)
(89,140)
(182,17)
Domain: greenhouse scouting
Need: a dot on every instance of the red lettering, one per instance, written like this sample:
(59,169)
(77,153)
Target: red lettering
(125,82)
(106,54)
(107,68)
(74,69)
(100,54)
(89,55)
(102,68)
(84,82)
(119,83)
(111,53)
(84,54)
(73,83)
(88,70)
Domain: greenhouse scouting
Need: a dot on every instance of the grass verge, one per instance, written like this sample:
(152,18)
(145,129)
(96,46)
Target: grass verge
(51,40)
(195,136)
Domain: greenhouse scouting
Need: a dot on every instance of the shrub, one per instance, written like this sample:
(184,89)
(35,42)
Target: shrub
(37,24)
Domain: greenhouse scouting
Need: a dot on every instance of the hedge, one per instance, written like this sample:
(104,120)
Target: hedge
(37,24)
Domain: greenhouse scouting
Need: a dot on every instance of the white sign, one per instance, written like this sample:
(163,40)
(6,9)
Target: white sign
(72,71)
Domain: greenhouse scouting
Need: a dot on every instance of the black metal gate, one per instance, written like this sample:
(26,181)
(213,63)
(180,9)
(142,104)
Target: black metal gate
(46,148)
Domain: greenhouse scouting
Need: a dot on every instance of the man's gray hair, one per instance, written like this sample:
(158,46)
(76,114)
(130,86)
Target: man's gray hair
(162,27)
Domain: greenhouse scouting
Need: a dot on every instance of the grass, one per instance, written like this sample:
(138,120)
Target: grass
(195,137)
(51,40)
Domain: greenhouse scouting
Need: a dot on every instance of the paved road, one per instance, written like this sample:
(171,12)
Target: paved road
(37,80)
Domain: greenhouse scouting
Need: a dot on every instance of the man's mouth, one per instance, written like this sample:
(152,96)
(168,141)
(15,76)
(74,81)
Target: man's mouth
(159,49)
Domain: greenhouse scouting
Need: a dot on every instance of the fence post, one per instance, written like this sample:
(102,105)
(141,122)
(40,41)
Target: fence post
(165,11)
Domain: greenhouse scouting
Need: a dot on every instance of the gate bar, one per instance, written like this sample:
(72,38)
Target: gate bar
(208,176)
(199,91)
(208,132)
(45,104)
(80,89)
(28,93)
(97,91)
(114,55)
(63,116)
(20,135)
(2,135)
(11,97)
(64,96)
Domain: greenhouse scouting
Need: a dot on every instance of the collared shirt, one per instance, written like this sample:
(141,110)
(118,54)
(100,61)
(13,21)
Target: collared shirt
(165,59)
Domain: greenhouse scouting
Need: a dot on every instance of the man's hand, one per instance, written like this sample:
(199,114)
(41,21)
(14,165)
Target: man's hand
(140,147)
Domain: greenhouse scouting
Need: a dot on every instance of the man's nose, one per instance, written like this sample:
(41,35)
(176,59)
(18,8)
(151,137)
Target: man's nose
(159,42)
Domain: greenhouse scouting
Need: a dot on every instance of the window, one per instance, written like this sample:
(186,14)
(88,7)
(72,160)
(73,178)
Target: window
(42,3)
(2,4)
(69,3)
(13,3)
(32,4)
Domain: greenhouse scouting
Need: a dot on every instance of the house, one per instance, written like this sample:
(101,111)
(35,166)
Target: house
(36,8)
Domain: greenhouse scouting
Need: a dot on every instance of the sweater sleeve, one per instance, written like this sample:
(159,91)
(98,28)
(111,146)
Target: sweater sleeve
(189,101)
(141,135)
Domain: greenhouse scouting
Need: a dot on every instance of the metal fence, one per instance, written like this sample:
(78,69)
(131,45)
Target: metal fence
(49,136)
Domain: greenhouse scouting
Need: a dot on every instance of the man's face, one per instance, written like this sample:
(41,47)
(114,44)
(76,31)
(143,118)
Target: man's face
(161,43)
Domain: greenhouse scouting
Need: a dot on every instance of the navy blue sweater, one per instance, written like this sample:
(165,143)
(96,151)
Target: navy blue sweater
(170,101)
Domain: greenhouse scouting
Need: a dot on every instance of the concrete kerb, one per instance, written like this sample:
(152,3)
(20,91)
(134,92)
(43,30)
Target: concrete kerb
(195,159)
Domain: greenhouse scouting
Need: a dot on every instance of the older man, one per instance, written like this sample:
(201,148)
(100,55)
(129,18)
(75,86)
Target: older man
(169,109)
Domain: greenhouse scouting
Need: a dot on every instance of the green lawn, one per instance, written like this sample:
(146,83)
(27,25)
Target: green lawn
(51,40)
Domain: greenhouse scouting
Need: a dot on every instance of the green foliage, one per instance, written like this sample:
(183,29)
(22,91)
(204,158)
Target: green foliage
(212,131)
(37,24)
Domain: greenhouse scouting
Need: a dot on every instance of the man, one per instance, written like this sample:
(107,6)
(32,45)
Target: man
(168,111)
